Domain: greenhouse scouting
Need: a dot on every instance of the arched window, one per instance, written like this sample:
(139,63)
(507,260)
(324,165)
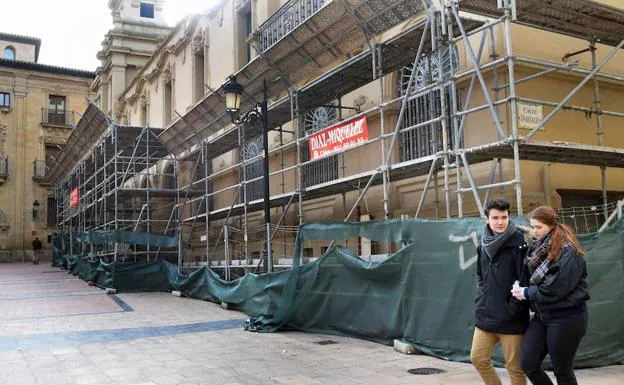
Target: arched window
(425,105)
(9,53)
(324,169)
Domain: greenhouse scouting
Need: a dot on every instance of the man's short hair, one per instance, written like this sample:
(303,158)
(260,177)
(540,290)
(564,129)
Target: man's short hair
(499,204)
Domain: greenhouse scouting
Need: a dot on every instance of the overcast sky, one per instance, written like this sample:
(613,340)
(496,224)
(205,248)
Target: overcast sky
(71,31)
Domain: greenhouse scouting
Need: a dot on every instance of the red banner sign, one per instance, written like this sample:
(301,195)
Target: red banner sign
(74,197)
(338,137)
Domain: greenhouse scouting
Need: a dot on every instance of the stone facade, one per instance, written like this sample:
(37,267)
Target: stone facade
(44,102)
(202,50)
(125,50)
(151,74)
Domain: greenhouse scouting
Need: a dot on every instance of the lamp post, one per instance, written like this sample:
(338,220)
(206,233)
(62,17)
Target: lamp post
(35,209)
(233,94)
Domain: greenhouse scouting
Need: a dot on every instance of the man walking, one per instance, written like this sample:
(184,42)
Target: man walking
(500,318)
(37,246)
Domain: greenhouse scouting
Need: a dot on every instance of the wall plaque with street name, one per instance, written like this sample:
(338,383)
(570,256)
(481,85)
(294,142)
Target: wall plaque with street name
(529,115)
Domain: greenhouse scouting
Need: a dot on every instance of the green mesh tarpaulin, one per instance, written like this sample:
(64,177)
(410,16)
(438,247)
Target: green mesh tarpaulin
(123,276)
(256,295)
(100,237)
(423,293)
(142,276)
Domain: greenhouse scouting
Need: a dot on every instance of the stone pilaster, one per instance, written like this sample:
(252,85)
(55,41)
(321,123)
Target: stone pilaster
(19,171)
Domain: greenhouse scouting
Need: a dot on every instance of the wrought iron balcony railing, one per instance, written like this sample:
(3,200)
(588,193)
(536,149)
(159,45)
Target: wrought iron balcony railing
(57,117)
(39,169)
(4,166)
(287,18)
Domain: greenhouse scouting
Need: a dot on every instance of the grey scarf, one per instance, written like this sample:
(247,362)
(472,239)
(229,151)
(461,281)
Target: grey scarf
(492,241)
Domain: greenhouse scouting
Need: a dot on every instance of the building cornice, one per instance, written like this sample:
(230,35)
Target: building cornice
(49,69)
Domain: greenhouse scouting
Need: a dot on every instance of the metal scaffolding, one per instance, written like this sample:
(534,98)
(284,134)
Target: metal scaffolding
(121,179)
(422,129)
(431,142)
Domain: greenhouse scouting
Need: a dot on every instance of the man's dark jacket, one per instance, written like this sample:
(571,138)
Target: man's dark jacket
(497,310)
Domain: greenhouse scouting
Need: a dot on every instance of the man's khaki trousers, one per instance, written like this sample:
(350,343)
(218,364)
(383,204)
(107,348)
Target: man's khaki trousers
(483,345)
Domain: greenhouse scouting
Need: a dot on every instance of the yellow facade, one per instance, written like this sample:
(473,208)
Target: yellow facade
(215,39)
(192,62)
(30,131)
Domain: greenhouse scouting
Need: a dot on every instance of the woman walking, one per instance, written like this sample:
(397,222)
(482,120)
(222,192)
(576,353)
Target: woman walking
(556,294)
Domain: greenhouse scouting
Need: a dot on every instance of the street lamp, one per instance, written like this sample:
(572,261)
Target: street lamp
(233,93)
(35,209)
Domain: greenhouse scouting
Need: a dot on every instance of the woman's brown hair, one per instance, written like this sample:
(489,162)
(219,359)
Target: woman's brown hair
(561,232)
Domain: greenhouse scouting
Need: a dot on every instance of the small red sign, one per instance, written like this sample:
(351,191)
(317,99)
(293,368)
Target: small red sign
(339,137)
(74,197)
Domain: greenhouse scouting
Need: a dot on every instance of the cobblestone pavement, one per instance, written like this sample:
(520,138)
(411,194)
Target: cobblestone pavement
(54,329)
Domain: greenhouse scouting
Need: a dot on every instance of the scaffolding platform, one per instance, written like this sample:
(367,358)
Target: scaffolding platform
(555,152)
(583,19)
(157,192)
(559,152)
(92,125)
(397,52)
(330,35)
(125,179)
(341,47)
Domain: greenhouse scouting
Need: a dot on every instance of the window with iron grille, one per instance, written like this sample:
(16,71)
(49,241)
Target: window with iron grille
(324,169)
(52,206)
(425,140)
(253,169)
(199,206)
(56,110)
(426,105)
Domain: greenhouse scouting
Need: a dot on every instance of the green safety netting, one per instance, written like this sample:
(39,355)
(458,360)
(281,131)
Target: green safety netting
(423,293)
(99,237)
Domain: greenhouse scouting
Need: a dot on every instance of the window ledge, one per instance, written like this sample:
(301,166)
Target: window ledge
(5,109)
(56,125)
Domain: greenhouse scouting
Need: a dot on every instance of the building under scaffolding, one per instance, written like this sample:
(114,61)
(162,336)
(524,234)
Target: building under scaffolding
(113,179)
(454,114)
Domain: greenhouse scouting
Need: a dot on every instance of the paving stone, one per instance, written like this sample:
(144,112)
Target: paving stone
(181,341)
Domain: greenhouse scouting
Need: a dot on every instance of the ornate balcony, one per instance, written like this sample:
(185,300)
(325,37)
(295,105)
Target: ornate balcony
(56,117)
(287,18)
(39,172)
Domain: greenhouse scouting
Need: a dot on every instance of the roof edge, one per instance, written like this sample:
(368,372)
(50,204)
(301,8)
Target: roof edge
(23,39)
(24,65)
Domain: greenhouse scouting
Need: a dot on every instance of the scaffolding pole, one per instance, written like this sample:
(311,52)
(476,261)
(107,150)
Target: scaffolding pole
(106,206)
(576,89)
(514,112)
(599,132)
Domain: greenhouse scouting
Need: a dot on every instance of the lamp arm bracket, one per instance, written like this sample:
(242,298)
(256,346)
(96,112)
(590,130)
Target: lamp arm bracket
(253,113)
